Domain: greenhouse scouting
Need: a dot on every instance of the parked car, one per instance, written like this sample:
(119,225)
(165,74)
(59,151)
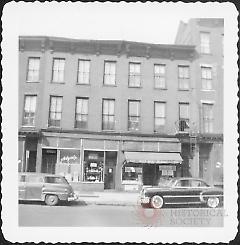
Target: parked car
(180,191)
(49,188)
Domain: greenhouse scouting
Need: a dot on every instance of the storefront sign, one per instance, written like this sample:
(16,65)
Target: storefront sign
(167,172)
(93,164)
(69,156)
(167,167)
(93,156)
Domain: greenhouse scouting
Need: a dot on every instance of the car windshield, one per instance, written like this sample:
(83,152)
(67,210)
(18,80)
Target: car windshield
(166,182)
(56,180)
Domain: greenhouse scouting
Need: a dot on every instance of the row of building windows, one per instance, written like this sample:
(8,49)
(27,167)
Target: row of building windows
(108,114)
(83,73)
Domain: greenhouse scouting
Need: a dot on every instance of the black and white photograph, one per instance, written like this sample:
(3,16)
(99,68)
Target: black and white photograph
(119,122)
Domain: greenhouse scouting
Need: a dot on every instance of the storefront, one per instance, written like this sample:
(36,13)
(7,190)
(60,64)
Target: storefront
(149,168)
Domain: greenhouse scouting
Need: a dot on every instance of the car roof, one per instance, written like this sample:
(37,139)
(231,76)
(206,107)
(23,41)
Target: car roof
(40,174)
(188,178)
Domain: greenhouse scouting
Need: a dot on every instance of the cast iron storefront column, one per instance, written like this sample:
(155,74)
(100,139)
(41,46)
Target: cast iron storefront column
(39,158)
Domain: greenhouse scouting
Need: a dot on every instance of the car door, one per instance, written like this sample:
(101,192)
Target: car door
(198,186)
(34,187)
(21,187)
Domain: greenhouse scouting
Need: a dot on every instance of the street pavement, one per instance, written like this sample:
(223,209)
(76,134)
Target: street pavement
(81,214)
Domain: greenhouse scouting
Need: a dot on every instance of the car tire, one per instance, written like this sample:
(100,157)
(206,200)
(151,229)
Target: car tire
(213,202)
(51,200)
(157,202)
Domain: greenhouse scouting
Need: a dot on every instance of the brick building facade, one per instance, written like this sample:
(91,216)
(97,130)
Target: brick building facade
(118,114)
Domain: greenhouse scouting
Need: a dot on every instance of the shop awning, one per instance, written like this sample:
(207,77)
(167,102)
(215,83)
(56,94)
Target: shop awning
(153,157)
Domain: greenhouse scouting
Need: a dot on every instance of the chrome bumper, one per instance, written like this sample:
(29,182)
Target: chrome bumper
(73,198)
(145,200)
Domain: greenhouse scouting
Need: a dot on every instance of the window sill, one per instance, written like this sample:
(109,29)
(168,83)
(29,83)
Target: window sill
(54,127)
(183,89)
(109,85)
(57,82)
(84,84)
(28,126)
(33,81)
(134,87)
(160,88)
(208,90)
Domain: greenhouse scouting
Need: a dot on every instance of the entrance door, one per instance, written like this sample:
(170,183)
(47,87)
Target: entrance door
(32,161)
(110,169)
(150,174)
(49,159)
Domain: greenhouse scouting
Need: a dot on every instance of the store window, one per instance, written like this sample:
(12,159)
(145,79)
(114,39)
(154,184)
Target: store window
(58,70)
(55,111)
(159,76)
(109,73)
(205,42)
(93,166)
(69,165)
(29,110)
(134,75)
(159,115)
(108,116)
(206,77)
(83,71)
(132,172)
(33,69)
(81,114)
(183,77)
(133,115)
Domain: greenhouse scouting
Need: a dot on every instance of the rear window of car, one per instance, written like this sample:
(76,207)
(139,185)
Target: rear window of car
(35,179)
(55,180)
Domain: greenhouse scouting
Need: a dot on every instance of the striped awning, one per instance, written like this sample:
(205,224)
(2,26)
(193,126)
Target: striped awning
(153,157)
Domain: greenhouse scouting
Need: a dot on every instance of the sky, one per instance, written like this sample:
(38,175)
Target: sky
(143,22)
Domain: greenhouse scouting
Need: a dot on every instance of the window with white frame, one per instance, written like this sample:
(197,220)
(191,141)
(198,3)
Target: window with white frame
(205,42)
(159,115)
(108,114)
(81,113)
(183,77)
(58,70)
(159,76)
(55,111)
(33,69)
(109,73)
(83,71)
(134,74)
(133,115)
(207,111)
(29,110)
(206,77)
(183,116)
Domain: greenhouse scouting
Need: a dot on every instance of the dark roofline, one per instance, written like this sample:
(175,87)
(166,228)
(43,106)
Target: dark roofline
(102,41)
(109,47)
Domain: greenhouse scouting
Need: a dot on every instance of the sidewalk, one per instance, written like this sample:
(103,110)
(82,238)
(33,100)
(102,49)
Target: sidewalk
(113,198)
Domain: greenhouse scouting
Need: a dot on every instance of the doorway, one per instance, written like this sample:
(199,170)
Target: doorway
(49,159)
(110,169)
(150,174)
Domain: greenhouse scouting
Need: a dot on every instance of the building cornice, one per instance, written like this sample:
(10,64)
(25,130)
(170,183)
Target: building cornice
(106,47)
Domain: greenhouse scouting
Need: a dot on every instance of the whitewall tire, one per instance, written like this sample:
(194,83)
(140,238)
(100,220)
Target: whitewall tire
(157,202)
(213,202)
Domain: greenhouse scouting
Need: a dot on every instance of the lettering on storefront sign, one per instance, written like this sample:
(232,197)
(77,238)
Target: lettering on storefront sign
(68,158)
(93,156)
